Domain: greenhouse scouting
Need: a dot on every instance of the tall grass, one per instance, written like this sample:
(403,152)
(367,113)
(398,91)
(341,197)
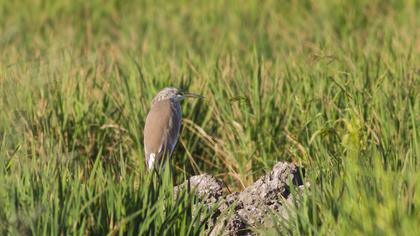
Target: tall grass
(331,85)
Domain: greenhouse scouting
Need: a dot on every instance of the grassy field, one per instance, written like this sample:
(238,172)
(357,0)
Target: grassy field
(331,85)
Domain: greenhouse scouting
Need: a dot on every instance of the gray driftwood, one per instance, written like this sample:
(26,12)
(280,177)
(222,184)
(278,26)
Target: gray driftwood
(237,213)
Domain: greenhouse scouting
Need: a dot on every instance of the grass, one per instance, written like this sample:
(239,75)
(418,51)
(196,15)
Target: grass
(331,85)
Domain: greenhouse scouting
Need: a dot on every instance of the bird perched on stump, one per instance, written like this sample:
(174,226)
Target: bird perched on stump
(163,123)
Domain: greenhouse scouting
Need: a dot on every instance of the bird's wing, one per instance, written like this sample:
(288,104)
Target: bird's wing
(161,131)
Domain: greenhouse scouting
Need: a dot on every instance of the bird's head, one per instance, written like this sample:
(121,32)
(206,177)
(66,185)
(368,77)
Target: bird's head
(174,94)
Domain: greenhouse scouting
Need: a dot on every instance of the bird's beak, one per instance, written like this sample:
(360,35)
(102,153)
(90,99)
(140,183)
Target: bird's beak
(193,95)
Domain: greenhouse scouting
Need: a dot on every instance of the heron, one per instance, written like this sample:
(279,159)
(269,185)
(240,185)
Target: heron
(163,123)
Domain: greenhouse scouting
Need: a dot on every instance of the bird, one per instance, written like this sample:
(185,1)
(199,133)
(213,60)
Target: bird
(162,126)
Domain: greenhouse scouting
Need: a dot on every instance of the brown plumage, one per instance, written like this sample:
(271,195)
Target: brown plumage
(162,131)
(162,126)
